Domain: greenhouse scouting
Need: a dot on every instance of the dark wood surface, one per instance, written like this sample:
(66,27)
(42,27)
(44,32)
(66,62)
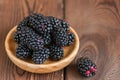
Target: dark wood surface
(97,23)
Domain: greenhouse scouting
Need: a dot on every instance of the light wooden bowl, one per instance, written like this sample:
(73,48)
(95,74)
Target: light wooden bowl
(49,66)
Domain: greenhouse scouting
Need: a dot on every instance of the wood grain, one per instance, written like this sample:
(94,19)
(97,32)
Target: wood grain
(98,25)
(96,21)
(11,13)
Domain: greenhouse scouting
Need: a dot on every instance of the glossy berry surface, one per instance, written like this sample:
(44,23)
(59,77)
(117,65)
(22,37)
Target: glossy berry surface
(40,56)
(57,52)
(86,67)
(31,39)
(23,52)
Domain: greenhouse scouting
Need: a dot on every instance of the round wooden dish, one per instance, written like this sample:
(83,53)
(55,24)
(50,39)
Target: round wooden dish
(49,66)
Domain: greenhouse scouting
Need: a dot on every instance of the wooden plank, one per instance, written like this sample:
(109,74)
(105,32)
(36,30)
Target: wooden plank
(11,13)
(97,23)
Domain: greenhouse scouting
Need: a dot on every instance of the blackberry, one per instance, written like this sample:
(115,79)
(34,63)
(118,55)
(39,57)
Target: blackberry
(60,37)
(40,23)
(40,56)
(16,37)
(46,38)
(71,37)
(34,20)
(56,52)
(86,67)
(23,23)
(65,25)
(54,21)
(22,51)
(31,39)
(58,23)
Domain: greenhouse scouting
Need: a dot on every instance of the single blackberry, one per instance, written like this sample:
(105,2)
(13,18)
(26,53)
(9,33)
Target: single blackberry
(60,37)
(71,37)
(23,23)
(54,21)
(56,52)
(58,23)
(65,25)
(22,51)
(34,20)
(16,37)
(31,39)
(86,67)
(40,56)
(40,23)
(46,38)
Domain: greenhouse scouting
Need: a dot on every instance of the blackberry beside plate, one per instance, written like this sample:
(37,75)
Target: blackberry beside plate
(86,67)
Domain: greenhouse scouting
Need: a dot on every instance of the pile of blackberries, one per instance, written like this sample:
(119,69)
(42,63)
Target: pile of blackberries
(42,37)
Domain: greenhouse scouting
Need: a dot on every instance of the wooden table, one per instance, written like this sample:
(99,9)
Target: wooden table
(97,23)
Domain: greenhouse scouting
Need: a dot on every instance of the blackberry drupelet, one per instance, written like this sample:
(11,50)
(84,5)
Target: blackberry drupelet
(22,51)
(56,52)
(60,37)
(46,38)
(40,23)
(40,56)
(16,37)
(23,23)
(31,39)
(71,37)
(86,67)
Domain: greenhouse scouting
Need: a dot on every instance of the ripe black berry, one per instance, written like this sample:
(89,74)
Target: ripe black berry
(16,37)
(31,39)
(59,23)
(40,56)
(40,23)
(46,38)
(65,25)
(22,51)
(54,21)
(86,67)
(56,52)
(23,23)
(60,37)
(71,39)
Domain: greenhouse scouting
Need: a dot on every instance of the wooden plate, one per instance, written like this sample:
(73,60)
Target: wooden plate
(49,66)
